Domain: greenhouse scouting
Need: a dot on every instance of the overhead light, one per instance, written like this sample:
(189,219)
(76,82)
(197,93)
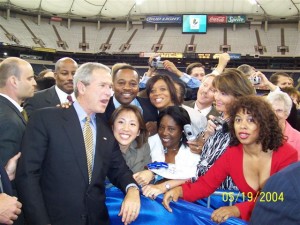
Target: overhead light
(253,2)
(138,2)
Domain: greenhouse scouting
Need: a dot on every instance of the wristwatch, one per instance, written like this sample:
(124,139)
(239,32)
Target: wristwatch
(168,187)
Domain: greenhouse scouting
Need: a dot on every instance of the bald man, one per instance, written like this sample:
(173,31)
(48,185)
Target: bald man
(61,92)
(16,84)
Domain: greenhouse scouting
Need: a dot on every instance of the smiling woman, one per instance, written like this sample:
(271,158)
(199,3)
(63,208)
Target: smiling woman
(130,131)
(161,91)
(170,146)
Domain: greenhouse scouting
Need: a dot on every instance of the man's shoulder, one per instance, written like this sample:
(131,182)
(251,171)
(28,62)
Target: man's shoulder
(142,100)
(7,108)
(190,103)
(291,170)
(52,112)
(145,102)
(44,92)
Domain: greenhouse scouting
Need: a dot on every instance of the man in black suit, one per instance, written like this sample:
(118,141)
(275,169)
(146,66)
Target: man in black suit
(10,207)
(279,200)
(65,69)
(16,84)
(53,176)
(126,87)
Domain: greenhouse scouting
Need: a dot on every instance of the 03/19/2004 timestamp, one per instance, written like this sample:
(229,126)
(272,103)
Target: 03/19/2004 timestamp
(260,196)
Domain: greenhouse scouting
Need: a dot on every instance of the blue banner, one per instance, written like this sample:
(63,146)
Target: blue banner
(153,212)
(163,19)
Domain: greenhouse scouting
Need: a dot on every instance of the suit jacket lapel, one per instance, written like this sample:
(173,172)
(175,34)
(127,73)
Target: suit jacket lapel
(110,108)
(102,142)
(74,133)
(14,108)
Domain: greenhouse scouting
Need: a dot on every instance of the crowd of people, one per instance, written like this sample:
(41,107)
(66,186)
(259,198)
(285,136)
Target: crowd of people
(60,144)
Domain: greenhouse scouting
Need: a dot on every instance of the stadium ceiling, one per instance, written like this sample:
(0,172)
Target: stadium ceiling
(122,10)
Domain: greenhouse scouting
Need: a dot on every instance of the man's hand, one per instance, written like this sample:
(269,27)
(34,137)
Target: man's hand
(172,68)
(11,166)
(64,105)
(220,215)
(151,127)
(143,177)
(172,195)
(10,208)
(224,58)
(131,205)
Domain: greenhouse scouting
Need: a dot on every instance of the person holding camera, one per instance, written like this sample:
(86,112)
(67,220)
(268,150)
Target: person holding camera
(257,150)
(230,86)
(194,72)
(170,145)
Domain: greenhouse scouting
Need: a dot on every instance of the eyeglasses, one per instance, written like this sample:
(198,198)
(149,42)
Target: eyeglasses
(279,111)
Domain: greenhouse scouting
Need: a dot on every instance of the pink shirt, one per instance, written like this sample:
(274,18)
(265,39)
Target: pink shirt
(293,137)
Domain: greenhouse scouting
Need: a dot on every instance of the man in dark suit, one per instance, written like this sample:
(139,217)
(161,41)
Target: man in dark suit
(205,98)
(16,84)
(126,87)
(65,69)
(60,183)
(10,207)
(279,200)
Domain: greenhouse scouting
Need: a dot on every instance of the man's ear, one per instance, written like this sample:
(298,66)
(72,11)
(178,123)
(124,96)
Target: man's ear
(12,81)
(81,87)
(55,75)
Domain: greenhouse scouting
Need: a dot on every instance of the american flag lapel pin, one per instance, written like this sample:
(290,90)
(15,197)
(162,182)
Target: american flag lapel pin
(104,138)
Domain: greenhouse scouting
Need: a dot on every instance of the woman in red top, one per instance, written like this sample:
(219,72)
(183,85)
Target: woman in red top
(257,150)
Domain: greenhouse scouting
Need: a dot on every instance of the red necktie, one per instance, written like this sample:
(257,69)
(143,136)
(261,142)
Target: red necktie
(69,97)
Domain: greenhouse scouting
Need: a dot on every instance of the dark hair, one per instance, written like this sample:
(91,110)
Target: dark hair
(192,66)
(121,66)
(44,83)
(179,115)
(182,92)
(270,133)
(169,82)
(233,82)
(143,137)
(274,77)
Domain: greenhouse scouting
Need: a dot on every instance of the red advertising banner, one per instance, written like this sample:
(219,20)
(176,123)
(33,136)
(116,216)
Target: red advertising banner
(56,19)
(216,19)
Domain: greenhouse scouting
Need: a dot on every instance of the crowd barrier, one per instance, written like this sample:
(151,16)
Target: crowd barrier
(153,212)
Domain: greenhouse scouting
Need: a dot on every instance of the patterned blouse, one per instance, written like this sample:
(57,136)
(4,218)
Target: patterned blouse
(213,148)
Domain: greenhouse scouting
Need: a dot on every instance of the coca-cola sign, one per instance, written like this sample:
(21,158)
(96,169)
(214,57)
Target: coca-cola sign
(216,19)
